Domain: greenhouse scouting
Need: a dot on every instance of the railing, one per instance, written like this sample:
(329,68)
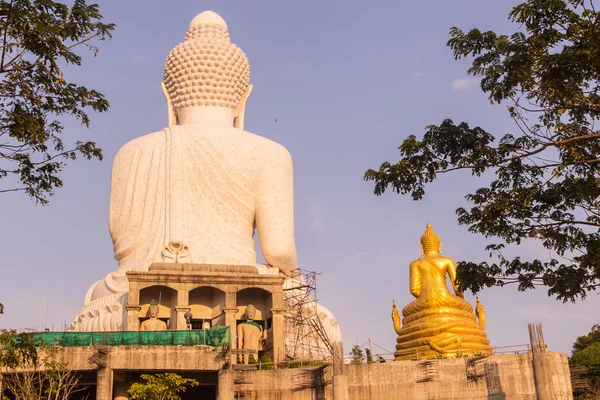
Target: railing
(386,357)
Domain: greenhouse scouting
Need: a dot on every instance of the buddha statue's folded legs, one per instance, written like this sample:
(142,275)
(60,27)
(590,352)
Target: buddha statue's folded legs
(103,306)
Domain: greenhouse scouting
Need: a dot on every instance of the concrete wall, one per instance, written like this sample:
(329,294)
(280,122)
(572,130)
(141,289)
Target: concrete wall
(480,378)
(283,384)
(486,378)
(146,358)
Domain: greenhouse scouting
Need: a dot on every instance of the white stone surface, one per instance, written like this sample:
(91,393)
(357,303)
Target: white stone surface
(208,17)
(197,191)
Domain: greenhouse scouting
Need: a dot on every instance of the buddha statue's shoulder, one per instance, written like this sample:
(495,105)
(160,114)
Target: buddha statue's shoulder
(141,143)
(415,263)
(265,149)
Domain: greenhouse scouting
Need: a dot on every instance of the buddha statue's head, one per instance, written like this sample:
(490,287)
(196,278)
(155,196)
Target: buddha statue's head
(250,312)
(207,70)
(153,310)
(430,241)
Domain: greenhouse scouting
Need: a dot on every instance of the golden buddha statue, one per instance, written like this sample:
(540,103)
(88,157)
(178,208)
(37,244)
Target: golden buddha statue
(437,322)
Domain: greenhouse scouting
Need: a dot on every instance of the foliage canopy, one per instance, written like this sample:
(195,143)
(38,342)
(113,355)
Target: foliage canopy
(160,387)
(583,342)
(357,355)
(38,39)
(545,175)
(586,353)
(18,349)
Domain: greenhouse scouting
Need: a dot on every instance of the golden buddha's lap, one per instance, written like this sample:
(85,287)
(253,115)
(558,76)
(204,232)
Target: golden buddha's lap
(441,301)
(439,312)
(436,326)
(443,330)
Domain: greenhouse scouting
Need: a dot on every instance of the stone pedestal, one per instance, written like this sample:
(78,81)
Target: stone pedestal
(228,279)
(104,385)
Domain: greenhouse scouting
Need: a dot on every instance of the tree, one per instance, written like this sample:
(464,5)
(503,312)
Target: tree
(266,362)
(160,387)
(48,380)
(545,175)
(357,355)
(37,39)
(369,356)
(583,342)
(18,349)
(586,353)
(31,370)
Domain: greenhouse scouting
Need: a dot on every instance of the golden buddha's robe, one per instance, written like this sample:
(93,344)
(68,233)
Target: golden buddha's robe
(437,322)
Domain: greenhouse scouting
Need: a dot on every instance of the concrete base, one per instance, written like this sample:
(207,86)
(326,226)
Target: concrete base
(499,377)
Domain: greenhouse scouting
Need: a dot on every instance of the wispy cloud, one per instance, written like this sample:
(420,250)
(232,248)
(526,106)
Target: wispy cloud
(321,220)
(464,83)
(317,218)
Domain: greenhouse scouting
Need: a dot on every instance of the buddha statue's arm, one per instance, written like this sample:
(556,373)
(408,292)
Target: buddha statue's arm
(480,312)
(452,275)
(415,279)
(275,212)
(119,177)
(396,318)
(264,335)
(240,336)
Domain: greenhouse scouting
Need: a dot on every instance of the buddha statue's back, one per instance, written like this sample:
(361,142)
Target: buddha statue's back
(192,194)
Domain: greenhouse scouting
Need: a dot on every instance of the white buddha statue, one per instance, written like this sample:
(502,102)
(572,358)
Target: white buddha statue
(196,191)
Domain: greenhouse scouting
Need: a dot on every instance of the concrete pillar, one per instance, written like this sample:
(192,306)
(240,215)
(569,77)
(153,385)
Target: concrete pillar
(120,389)
(225,385)
(541,363)
(183,306)
(134,294)
(230,311)
(278,334)
(104,384)
(181,323)
(339,380)
(133,317)
(542,376)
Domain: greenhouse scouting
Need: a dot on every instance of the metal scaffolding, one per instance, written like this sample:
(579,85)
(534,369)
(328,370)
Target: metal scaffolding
(305,336)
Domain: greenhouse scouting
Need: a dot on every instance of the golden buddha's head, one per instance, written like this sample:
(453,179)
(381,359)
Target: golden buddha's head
(207,69)
(430,241)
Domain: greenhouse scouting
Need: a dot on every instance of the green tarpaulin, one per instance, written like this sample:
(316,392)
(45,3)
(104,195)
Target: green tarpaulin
(217,336)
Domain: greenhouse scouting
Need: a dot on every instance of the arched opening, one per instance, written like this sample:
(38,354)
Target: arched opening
(167,301)
(207,305)
(262,301)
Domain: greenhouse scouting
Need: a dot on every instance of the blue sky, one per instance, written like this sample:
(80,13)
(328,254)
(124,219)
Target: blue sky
(347,81)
